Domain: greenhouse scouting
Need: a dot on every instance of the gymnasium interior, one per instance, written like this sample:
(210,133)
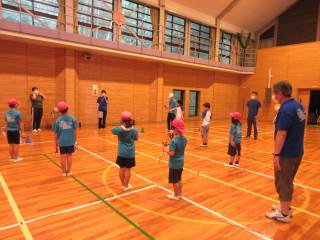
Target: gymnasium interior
(140,52)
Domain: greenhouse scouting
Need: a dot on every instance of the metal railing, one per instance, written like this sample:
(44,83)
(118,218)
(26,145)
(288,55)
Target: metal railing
(27,14)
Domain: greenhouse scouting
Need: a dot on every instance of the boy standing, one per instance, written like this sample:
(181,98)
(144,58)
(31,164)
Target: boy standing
(65,129)
(205,124)
(234,149)
(176,152)
(14,128)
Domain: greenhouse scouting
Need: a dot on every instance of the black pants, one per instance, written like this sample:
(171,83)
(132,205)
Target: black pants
(170,118)
(252,121)
(36,118)
(102,121)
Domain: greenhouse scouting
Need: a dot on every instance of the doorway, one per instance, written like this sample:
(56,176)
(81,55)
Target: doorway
(314,108)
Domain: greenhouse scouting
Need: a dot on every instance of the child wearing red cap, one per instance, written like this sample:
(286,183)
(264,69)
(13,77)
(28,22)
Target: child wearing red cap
(14,128)
(176,162)
(127,135)
(65,129)
(234,149)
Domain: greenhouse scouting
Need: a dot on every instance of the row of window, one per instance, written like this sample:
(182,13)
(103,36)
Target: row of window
(194,97)
(95,20)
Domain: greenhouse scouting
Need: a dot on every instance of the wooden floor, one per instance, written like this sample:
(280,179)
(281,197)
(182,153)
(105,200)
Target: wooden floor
(219,202)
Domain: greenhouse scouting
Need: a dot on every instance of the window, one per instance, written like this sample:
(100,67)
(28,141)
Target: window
(95,18)
(225,48)
(175,34)
(46,12)
(200,41)
(138,24)
(179,95)
(193,103)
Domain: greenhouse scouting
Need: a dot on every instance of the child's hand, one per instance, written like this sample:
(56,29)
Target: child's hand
(233,144)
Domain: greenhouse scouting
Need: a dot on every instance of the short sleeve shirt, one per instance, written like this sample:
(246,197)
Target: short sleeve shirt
(253,107)
(126,141)
(103,103)
(236,132)
(178,145)
(64,127)
(292,119)
(172,106)
(206,118)
(38,102)
(13,119)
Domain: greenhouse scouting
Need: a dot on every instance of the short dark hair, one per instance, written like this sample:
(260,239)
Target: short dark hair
(103,91)
(34,88)
(180,102)
(206,105)
(255,93)
(12,106)
(284,87)
(64,111)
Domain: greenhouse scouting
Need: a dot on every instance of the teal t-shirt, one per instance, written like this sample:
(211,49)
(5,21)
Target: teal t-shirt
(173,105)
(236,132)
(178,145)
(126,139)
(65,127)
(13,118)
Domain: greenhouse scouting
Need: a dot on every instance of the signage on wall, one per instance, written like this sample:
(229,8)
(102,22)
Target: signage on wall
(94,90)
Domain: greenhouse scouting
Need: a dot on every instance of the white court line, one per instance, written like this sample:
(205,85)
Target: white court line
(228,220)
(243,169)
(68,210)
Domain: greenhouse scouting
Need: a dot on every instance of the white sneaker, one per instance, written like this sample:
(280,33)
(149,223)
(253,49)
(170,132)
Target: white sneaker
(39,130)
(277,216)
(64,174)
(173,197)
(126,188)
(69,174)
(237,164)
(204,145)
(230,164)
(34,131)
(278,208)
(17,159)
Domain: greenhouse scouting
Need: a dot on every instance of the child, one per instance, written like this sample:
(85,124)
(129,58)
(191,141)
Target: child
(234,149)
(127,135)
(65,129)
(205,124)
(179,110)
(14,128)
(176,152)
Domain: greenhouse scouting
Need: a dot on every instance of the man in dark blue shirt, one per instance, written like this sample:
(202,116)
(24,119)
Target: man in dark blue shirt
(253,109)
(102,109)
(288,152)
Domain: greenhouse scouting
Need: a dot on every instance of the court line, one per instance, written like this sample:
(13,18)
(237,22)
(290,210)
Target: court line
(228,220)
(68,210)
(241,168)
(133,224)
(24,227)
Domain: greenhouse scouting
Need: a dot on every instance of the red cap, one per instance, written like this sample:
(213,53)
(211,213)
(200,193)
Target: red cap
(126,116)
(62,106)
(178,124)
(12,101)
(236,116)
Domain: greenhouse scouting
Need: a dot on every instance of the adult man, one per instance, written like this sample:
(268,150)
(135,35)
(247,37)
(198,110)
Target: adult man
(253,106)
(288,149)
(172,110)
(102,102)
(36,99)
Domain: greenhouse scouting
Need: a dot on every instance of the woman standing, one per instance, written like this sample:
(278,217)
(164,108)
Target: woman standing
(36,99)
(102,109)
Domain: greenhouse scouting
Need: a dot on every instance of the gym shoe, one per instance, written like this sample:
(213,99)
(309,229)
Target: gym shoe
(278,216)
(230,164)
(278,208)
(69,174)
(237,164)
(173,197)
(64,174)
(126,188)
(17,159)
(204,145)
(39,130)
(34,131)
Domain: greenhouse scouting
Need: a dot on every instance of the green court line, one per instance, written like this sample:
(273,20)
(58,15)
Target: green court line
(104,201)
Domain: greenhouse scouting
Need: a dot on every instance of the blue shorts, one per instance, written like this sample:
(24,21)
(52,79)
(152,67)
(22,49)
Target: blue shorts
(67,150)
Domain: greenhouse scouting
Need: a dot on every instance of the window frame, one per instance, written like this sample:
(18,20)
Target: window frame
(222,47)
(173,28)
(92,16)
(196,107)
(196,52)
(140,32)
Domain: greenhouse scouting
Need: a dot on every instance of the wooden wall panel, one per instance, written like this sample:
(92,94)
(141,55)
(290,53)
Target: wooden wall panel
(299,64)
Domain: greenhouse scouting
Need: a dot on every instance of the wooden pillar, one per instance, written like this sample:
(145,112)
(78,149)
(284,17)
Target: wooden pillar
(162,24)
(69,16)
(217,41)
(187,39)
(160,97)
(117,28)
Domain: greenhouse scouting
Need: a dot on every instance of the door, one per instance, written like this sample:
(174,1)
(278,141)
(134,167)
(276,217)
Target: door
(304,99)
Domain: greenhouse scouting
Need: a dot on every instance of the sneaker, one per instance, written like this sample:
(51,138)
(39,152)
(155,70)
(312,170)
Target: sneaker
(64,174)
(126,188)
(69,174)
(278,208)
(278,216)
(39,130)
(34,131)
(173,197)
(204,145)
(230,164)
(17,159)
(237,164)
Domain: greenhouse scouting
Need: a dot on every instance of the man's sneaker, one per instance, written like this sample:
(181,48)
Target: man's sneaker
(173,197)
(278,216)
(237,164)
(39,130)
(278,208)
(126,188)
(34,131)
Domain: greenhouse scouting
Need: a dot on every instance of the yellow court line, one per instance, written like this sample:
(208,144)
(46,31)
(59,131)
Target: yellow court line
(24,228)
